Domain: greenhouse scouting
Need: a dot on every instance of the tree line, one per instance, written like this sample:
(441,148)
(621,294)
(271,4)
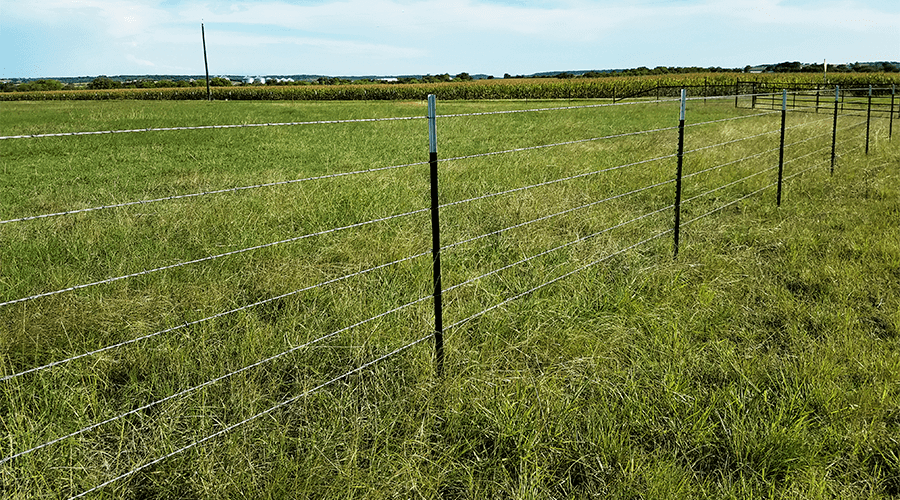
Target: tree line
(104,83)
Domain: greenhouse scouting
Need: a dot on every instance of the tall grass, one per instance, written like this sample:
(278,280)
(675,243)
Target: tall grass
(763,362)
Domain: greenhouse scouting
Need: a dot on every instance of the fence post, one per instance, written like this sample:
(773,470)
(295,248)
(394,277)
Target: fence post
(678,172)
(891,124)
(868,118)
(753,98)
(435,239)
(781,148)
(737,90)
(837,92)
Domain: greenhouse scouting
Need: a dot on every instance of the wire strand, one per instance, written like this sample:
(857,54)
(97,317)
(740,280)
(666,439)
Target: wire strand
(566,143)
(215,316)
(209,258)
(557,279)
(206,193)
(210,127)
(566,245)
(547,183)
(210,382)
(254,417)
(593,203)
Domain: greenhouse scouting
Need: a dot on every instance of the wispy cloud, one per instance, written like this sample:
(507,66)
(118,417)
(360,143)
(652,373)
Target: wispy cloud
(418,36)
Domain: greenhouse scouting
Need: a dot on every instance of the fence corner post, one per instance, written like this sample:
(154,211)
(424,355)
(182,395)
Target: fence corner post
(435,238)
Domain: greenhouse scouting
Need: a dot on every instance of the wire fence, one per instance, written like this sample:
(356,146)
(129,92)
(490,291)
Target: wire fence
(721,173)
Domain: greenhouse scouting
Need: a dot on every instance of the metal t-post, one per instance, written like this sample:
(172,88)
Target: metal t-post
(868,118)
(837,92)
(678,173)
(435,239)
(781,148)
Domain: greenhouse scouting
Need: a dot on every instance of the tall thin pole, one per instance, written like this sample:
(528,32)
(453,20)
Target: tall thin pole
(678,173)
(837,92)
(781,148)
(435,238)
(891,125)
(205,63)
(868,119)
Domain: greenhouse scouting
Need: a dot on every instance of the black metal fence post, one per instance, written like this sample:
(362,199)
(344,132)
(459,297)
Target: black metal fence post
(753,98)
(891,125)
(678,173)
(435,239)
(837,92)
(868,118)
(781,148)
(737,90)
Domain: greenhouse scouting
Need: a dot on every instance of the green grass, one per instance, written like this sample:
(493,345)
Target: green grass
(763,362)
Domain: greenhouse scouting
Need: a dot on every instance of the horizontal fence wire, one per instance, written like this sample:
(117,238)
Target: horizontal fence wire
(564,212)
(554,181)
(558,278)
(210,127)
(231,427)
(215,316)
(218,191)
(210,258)
(315,122)
(701,195)
(546,252)
(732,141)
(707,214)
(208,383)
(710,169)
(721,120)
(556,144)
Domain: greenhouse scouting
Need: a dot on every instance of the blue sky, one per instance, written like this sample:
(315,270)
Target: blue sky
(48,38)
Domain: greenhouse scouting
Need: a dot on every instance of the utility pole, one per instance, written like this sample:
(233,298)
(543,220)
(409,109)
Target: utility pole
(205,63)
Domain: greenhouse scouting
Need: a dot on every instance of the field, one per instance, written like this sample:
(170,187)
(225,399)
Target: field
(762,362)
(506,88)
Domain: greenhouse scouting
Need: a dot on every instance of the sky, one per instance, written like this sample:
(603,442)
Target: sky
(59,38)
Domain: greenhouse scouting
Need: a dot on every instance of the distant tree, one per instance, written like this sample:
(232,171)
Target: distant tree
(465,77)
(507,75)
(103,83)
(40,85)
(219,82)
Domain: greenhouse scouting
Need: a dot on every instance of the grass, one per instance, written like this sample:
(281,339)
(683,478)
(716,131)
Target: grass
(761,363)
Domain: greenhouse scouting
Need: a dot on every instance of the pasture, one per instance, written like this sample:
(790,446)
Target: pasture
(263,329)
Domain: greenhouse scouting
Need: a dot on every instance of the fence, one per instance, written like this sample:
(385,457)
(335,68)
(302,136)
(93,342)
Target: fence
(806,144)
